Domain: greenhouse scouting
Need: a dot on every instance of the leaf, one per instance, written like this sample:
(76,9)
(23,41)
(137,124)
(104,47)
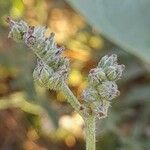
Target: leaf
(125,23)
(138,94)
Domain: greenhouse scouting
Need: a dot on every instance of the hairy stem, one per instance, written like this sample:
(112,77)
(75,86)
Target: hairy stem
(89,120)
(90,132)
(71,98)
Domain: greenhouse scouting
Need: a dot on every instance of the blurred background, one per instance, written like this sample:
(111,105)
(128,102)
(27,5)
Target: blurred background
(32,117)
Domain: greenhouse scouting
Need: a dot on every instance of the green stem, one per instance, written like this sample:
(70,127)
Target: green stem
(71,98)
(22,104)
(90,132)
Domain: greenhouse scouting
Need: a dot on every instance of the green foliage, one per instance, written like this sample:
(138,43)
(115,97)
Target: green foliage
(126,23)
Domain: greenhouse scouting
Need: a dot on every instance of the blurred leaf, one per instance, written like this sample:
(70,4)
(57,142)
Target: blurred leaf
(132,72)
(138,94)
(109,141)
(5,6)
(126,23)
(52,114)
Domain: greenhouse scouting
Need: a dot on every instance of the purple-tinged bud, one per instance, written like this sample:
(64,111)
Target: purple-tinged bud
(29,38)
(101,108)
(42,73)
(17,29)
(90,95)
(108,61)
(119,71)
(114,73)
(96,76)
(108,90)
(45,76)
(10,22)
(111,73)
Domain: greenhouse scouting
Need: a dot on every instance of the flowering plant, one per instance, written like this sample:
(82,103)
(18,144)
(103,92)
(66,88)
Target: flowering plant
(52,71)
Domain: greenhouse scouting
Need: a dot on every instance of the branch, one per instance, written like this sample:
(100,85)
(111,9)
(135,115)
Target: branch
(72,99)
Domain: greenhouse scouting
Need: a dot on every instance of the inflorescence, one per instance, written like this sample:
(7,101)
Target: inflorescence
(102,85)
(52,68)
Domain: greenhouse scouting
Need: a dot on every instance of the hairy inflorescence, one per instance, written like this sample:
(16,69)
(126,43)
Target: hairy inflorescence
(52,70)
(102,86)
(52,67)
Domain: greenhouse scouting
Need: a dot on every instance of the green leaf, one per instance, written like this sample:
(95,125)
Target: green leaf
(124,22)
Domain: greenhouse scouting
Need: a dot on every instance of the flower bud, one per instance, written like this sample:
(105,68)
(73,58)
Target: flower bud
(119,71)
(39,32)
(42,73)
(101,108)
(96,76)
(45,76)
(107,61)
(55,82)
(114,73)
(51,42)
(108,90)
(17,29)
(111,73)
(90,95)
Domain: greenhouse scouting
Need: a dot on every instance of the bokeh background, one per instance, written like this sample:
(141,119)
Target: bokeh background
(32,117)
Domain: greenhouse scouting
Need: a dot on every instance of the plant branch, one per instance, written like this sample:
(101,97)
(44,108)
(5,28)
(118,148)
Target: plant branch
(22,104)
(90,132)
(71,98)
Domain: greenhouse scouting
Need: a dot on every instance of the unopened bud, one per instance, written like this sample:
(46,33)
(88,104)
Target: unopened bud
(90,95)
(101,108)
(17,29)
(114,73)
(108,90)
(111,73)
(42,73)
(108,61)
(97,76)
(119,71)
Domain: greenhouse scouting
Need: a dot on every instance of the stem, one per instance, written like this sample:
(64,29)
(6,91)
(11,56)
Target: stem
(22,104)
(90,132)
(71,98)
(89,120)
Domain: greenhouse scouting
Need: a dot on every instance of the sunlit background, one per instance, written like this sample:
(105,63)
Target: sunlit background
(32,117)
